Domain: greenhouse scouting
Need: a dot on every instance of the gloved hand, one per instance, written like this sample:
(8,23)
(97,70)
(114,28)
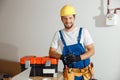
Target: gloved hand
(63,58)
(71,58)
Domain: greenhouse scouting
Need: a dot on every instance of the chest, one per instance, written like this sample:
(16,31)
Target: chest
(70,36)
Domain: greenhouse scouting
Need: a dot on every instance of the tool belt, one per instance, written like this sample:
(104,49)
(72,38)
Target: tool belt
(87,72)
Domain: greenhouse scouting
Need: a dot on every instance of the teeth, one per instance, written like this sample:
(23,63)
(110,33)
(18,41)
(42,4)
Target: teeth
(68,25)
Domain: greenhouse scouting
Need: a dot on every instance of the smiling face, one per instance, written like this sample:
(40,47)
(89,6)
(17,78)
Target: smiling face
(68,21)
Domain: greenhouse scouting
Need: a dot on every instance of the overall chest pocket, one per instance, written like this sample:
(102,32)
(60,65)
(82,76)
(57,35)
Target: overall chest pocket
(75,49)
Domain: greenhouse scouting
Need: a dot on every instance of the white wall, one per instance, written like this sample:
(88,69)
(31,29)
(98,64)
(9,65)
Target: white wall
(27,28)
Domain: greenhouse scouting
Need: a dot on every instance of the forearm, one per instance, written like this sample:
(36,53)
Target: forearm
(53,53)
(90,52)
(86,55)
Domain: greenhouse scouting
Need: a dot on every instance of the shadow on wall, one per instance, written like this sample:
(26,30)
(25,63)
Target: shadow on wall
(1,4)
(100,19)
(8,52)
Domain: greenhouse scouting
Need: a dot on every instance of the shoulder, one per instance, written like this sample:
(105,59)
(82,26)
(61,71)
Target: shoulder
(57,33)
(84,30)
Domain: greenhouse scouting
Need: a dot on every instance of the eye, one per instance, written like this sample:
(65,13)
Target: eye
(64,18)
(70,18)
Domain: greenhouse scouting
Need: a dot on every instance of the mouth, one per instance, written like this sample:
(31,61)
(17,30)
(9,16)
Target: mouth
(68,26)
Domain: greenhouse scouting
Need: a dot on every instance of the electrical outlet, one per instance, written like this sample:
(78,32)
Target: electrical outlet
(111,19)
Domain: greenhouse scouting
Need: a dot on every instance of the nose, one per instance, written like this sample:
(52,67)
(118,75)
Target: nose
(67,20)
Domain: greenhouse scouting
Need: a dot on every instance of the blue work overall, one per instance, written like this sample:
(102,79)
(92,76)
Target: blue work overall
(76,49)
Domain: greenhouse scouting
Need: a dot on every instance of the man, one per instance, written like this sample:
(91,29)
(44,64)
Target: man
(77,47)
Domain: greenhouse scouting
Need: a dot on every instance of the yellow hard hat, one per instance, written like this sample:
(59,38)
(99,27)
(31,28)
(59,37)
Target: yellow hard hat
(67,10)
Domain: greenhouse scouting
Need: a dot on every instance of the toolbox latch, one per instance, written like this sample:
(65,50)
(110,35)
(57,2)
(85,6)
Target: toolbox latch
(27,63)
(48,63)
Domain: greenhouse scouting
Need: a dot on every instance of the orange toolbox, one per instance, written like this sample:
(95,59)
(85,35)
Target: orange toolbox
(31,61)
(49,66)
(41,66)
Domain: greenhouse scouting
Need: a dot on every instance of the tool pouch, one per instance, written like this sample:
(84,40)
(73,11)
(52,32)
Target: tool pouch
(68,75)
(87,72)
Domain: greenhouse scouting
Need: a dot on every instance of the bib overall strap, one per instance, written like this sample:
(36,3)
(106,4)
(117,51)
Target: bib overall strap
(61,36)
(79,35)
